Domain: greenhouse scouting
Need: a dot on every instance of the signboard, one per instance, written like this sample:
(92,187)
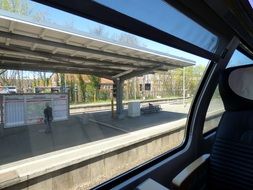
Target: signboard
(60,106)
(14,110)
(147,86)
(29,109)
(35,105)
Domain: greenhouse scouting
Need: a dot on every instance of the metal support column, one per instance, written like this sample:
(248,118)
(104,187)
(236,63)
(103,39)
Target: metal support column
(119,97)
(184,86)
(135,88)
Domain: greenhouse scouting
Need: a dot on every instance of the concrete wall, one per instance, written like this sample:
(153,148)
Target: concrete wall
(88,165)
(96,170)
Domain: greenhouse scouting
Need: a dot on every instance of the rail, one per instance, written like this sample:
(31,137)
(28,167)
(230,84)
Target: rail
(107,106)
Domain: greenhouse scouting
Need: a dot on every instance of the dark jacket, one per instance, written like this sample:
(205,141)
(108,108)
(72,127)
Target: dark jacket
(48,114)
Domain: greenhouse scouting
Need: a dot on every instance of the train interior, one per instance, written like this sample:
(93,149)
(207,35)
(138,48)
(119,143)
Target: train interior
(222,157)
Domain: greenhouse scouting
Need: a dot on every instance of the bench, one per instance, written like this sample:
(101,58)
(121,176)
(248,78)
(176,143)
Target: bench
(151,109)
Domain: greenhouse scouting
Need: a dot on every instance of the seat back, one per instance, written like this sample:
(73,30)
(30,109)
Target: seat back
(231,160)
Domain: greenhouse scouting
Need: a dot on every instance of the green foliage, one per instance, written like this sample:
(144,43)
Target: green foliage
(20,7)
(94,86)
(94,81)
(62,77)
(104,95)
(169,84)
(82,87)
(174,82)
(89,93)
(71,85)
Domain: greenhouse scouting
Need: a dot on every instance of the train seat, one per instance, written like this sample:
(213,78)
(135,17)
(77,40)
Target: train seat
(230,164)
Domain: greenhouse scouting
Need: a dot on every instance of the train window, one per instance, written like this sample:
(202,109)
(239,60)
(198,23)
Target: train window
(239,59)
(163,16)
(155,85)
(214,112)
(240,87)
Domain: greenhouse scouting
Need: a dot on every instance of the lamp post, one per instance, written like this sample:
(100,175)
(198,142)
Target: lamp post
(184,86)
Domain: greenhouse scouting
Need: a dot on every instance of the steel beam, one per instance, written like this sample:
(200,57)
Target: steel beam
(11,26)
(20,66)
(87,64)
(34,46)
(122,74)
(65,58)
(141,72)
(60,64)
(75,48)
(119,97)
(42,33)
(67,38)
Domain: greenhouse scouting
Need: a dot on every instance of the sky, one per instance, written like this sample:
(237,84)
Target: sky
(176,24)
(154,13)
(251,3)
(239,59)
(165,18)
(86,26)
(62,20)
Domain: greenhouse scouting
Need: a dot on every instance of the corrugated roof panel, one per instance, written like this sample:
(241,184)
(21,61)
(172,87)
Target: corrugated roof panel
(39,41)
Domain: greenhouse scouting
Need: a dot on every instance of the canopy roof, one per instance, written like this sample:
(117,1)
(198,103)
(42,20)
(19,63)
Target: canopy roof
(28,46)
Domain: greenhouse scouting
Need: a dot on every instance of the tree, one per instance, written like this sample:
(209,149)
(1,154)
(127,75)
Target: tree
(82,87)
(94,83)
(20,7)
(99,31)
(43,78)
(16,6)
(62,82)
(129,40)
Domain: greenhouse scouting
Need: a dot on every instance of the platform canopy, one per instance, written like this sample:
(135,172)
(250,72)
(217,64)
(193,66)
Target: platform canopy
(28,46)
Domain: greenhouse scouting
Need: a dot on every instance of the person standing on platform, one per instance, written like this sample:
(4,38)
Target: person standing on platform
(48,118)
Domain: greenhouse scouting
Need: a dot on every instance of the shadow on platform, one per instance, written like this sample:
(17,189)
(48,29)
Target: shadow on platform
(28,141)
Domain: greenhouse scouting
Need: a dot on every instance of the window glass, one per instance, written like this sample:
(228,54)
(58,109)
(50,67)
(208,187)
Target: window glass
(239,59)
(241,87)
(251,3)
(214,112)
(161,15)
(70,123)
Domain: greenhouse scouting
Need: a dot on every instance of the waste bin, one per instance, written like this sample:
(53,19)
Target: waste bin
(134,109)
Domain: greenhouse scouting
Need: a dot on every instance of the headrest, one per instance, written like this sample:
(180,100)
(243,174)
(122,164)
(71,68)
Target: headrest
(236,88)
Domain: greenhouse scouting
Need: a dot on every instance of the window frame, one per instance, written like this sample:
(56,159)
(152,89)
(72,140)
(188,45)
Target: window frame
(192,137)
(244,50)
(111,18)
(217,62)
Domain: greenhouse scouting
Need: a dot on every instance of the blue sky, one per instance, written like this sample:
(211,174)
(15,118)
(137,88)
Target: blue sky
(87,26)
(151,12)
(166,18)
(57,18)
(156,17)
(251,3)
(239,59)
